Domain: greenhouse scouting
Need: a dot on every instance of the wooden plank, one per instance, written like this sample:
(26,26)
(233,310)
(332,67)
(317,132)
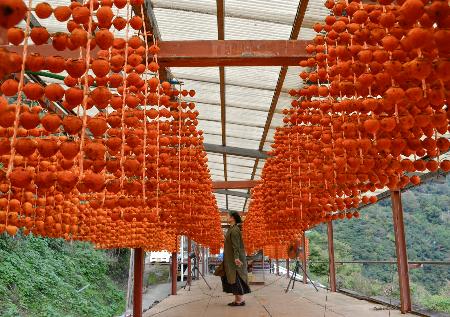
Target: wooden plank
(236,151)
(209,53)
(234,184)
(233,53)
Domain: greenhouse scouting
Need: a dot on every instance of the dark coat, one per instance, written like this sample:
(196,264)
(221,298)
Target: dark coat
(234,249)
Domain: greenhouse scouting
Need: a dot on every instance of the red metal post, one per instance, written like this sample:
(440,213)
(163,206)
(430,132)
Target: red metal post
(287,267)
(174,273)
(189,263)
(138,280)
(400,249)
(331,257)
(305,279)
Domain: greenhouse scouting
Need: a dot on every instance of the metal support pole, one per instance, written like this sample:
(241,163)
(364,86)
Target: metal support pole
(305,278)
(189,263)
(287,267)
(138,280)
(278,266)
(331,257)
(264,265)
(182,257)
(174,273)
(203,260)
(207,261)
(400,249)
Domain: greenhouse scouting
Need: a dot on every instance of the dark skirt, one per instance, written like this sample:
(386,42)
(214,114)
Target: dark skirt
(238,288)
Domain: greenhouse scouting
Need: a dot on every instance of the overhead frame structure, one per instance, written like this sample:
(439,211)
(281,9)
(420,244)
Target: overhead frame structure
(220,4)
(301,9)
(238,115)
(209,53)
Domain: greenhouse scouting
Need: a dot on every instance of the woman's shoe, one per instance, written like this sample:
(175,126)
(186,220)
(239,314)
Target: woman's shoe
(237,304)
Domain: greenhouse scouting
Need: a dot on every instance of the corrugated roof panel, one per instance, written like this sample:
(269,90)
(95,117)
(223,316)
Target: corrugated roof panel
(243,143)
(238,169)
(243,29)
(246,117)
(183,25)
(203,74)
(252,77)
(208,112)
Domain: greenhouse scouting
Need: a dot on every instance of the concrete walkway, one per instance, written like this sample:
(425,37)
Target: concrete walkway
(266,300)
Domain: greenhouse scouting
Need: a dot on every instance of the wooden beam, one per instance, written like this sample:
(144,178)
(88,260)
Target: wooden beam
(209,53)
(236,151)
(234,184)
(232,53)
(223,114)
(220,19)
(231,193)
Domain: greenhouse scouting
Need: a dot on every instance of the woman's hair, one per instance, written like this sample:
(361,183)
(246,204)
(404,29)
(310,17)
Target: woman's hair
(236,217)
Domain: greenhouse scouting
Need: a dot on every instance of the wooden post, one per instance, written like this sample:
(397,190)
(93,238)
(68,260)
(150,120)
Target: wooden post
(305,278)
(287,267)
(400,249)
(189,263)
(138,280)
(331,257)
(174,273)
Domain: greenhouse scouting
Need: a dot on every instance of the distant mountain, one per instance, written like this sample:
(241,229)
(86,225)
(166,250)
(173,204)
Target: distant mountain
(427,224)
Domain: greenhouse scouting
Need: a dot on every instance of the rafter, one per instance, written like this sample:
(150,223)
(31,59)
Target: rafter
(298,21)
(236,151)
(244,184)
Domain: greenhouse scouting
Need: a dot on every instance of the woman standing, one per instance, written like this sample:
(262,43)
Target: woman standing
(235,279)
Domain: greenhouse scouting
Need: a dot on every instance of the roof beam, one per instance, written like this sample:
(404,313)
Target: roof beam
(298,21)
(221,36)
(236,151)
(231,193)
(209,53)
(149,19)
(232,53)
(234,184)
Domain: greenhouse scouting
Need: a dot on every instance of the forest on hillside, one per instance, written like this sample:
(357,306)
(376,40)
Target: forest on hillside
(55,278)
(371,237)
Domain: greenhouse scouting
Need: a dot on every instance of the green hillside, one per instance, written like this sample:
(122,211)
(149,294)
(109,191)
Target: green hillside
(427,225)
(50,277)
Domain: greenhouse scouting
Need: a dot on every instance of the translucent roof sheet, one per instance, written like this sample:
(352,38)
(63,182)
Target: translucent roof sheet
(248,90)
(184,25)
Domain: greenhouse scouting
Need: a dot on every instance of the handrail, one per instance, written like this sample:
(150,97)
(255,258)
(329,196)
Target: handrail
(385,262)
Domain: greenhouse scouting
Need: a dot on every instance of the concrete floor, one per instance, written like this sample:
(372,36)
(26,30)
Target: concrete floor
(266,300)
